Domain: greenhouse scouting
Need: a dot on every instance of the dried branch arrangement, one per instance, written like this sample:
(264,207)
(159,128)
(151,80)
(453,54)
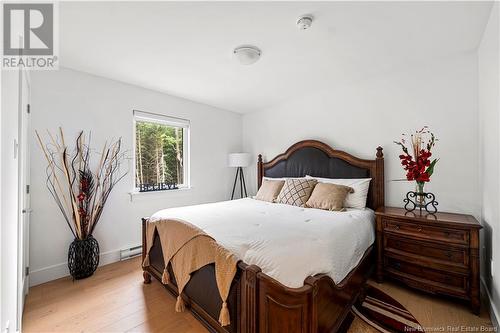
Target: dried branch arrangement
(79,192)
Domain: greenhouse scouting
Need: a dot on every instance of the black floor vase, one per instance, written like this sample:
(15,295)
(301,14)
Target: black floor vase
(83,257)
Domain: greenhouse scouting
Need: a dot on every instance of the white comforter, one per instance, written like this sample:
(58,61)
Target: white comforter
(288,243)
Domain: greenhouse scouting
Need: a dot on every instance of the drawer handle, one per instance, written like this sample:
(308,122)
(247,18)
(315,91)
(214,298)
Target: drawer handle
(397,227)
(419,229)
(397,265)
(447,233)
(449,254)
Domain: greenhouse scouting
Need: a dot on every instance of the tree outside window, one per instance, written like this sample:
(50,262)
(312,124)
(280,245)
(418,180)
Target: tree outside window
(160,151)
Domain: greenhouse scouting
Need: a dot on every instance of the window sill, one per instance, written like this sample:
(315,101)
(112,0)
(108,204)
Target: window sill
(136,194)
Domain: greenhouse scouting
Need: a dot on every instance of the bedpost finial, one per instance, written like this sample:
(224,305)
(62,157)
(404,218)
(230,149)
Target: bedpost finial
(380,154)
(260,158)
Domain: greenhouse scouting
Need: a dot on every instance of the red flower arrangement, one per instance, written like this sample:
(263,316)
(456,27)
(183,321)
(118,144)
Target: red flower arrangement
(418,167)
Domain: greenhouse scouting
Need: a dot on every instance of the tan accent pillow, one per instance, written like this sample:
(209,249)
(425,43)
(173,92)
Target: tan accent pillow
(328,196)
(296,191)
(269,190)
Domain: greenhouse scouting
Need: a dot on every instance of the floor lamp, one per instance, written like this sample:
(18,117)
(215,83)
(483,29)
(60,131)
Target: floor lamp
(239,161)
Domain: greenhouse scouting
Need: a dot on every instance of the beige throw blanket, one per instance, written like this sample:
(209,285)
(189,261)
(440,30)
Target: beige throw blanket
(188,249)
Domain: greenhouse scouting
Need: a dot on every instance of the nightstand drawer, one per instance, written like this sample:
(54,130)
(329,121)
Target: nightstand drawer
(444,279)
(444,254)
(426,232)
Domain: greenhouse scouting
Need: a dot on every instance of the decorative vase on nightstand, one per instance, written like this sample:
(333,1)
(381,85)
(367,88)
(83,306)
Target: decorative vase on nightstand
(419,188)
(419,168)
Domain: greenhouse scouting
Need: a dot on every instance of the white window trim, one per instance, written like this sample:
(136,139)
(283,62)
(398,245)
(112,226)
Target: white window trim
(138,115)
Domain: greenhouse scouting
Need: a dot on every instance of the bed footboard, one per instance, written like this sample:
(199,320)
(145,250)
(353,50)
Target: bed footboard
(263,305)
(319,306)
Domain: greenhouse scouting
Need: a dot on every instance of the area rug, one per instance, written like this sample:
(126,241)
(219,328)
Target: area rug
(385,314)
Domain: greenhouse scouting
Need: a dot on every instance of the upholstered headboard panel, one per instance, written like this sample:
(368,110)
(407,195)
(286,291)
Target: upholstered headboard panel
(314,162)
(317,159)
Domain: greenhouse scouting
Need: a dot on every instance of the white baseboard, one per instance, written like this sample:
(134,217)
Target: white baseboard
(493,308)
(57,271)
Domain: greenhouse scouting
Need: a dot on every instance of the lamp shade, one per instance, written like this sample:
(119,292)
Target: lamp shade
(239,160)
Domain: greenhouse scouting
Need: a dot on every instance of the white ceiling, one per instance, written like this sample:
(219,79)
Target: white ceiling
(185,49)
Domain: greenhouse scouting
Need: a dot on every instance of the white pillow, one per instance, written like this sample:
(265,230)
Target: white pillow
(357,199)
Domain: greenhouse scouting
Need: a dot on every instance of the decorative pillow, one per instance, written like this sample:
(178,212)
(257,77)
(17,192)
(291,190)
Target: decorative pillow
(269,190)
(295,192)
(328,196)
(356,199)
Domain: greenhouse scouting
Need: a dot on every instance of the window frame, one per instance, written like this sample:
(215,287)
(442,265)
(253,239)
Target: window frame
(161,119)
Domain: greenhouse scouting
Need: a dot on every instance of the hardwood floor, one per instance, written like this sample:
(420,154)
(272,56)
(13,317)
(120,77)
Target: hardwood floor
(116,300)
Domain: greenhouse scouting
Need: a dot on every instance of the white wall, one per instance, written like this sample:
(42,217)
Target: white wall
(9,204)
(489,146)
(75,101)
(362,115)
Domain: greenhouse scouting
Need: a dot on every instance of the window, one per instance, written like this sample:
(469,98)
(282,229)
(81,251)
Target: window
(161,152)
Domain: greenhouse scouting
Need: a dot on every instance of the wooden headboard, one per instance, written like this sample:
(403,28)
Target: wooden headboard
(315,158)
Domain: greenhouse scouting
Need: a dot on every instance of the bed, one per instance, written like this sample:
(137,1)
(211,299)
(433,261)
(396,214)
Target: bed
(257,302)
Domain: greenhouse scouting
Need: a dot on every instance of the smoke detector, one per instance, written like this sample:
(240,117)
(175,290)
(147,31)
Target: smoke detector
(247,54)
(304,22)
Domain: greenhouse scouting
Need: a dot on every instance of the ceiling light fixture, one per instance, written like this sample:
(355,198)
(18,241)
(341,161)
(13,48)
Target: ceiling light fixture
(304,22)
(247,54)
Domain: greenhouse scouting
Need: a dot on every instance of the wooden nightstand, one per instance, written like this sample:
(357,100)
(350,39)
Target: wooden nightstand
(435,253)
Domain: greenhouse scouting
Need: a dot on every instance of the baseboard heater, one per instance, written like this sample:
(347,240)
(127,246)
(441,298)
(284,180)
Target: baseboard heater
(131,252)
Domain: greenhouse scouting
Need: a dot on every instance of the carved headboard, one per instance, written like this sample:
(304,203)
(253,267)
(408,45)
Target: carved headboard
(315,158)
